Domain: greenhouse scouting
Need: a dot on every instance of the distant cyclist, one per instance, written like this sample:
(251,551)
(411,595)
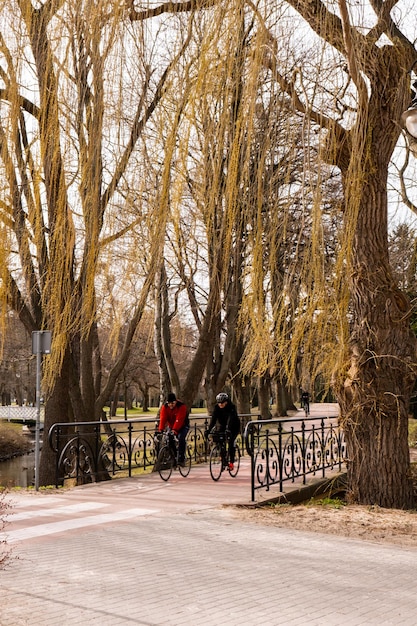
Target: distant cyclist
(226,420)
(305,402)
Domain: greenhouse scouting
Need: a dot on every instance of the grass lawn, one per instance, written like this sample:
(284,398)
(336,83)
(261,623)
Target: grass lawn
(153,410)
(12,440)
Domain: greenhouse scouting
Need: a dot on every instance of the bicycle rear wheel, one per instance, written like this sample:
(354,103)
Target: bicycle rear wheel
(166,462)
(185,470)
(216,462)
(236,463)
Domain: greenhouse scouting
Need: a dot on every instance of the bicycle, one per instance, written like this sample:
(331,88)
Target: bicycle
(167,456)
(305,404)
(219,457)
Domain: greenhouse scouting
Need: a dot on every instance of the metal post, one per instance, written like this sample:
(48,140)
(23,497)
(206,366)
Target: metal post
(38,417)
(41,344)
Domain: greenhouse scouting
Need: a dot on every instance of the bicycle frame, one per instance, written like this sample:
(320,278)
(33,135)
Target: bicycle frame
(167,457)
(219,457)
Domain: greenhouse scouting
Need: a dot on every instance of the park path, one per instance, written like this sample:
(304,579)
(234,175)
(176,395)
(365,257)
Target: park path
(141,551)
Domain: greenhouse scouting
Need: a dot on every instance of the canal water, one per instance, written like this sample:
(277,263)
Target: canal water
(18,472)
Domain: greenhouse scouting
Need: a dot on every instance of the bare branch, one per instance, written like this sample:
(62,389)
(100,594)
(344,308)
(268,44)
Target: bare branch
(385,25)
(401,175)
(326,24)
(139,124)
(350,53)
(170,7)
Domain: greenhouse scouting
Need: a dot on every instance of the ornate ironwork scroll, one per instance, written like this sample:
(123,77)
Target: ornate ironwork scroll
(288,449)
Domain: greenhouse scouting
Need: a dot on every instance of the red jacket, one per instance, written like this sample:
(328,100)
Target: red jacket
(176,418)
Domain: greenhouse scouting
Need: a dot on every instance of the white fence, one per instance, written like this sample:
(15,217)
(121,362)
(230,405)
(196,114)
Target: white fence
(20,413)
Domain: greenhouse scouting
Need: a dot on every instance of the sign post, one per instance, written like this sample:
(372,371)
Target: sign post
(41,344)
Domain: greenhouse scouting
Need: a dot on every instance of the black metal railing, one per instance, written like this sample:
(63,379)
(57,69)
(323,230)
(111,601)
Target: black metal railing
(284,450)
(94,451)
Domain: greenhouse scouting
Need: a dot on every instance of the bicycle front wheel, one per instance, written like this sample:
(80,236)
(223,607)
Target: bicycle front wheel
(185,469)
(216,462)
(166,462)
(236,463)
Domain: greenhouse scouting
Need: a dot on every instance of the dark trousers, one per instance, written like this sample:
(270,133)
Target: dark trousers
(182,434)
(231,445)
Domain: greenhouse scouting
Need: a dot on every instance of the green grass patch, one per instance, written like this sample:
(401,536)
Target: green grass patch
(332,503)
(131,413)
(153,410)
(12,440)
(412,433)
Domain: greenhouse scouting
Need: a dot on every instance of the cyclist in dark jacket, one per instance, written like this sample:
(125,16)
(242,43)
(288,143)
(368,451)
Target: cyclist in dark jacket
(305,401)
(226,420)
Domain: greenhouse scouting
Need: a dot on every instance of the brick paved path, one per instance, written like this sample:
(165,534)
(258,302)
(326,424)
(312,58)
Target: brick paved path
(204,569)
(140,551)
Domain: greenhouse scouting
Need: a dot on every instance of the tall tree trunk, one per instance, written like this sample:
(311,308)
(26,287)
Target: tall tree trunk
(264,396)
(145,398)
(375,395)
(115,401)
(242,393)
(282,400)
(57,409)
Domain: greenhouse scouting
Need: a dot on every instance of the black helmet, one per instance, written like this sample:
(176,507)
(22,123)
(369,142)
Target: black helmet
(222,397)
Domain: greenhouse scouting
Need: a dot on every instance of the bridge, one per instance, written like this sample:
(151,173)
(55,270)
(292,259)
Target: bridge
(278,452)
(25,415)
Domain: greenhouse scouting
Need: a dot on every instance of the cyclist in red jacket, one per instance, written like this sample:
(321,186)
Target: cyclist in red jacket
(174,414)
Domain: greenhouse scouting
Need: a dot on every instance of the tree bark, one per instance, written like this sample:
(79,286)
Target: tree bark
(375,395)
(282,399)
(264,395)
(57,409)
(242,393)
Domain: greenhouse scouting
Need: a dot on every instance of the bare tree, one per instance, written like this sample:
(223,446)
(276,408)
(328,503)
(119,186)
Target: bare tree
(374,351)
(351,90)
(17,367)
(69,165)
(82,207)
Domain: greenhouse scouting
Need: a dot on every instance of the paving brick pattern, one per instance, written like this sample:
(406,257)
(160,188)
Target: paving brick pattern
(204,568)
(141,551)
